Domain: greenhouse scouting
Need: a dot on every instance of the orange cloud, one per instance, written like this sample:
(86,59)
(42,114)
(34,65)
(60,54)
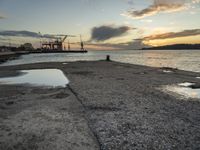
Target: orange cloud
(178,40)
(168,35)
(157,7)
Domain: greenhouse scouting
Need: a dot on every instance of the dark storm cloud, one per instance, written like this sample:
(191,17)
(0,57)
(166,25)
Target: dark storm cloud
(105,32)
(134,44)
(24,34)
(167,35)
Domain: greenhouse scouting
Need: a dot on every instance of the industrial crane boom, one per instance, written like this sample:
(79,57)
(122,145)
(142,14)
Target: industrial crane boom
(64,38)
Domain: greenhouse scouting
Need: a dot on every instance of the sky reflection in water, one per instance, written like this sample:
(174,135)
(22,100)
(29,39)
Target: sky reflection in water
(40,77)
(184,90)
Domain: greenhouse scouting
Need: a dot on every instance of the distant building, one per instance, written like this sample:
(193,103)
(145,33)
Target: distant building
(26,47)
(23,47)
(4,49)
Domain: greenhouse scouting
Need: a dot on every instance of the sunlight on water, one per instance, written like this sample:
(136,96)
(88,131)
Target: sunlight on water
(40,77)
(181,59)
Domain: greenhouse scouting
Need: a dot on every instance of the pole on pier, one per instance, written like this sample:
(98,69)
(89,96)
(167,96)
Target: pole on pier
(69,48)
(82,45)
(108,58)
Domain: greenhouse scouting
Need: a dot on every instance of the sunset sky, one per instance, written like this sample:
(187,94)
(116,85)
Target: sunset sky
(104,24)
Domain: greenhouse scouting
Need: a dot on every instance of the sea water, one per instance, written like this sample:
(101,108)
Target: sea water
(181,59)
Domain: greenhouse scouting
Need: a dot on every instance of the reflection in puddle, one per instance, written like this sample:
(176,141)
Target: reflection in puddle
(198,77)
(186,84)
(167,71)
(41,77)
(184,89)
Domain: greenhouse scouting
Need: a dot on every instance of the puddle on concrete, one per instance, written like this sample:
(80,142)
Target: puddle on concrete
(167,71)
(184,90)
(39,77)
(186,84)
(198,77)
(64,63)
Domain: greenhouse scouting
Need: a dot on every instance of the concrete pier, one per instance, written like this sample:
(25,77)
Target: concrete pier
(107,106)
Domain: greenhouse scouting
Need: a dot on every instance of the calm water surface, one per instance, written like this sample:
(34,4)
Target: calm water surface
(183,59)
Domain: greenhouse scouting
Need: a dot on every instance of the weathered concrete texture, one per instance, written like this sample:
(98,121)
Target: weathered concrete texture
(111,105)
(42,119)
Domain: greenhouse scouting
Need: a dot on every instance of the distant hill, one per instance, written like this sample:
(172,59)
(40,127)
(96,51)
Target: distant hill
(175,47)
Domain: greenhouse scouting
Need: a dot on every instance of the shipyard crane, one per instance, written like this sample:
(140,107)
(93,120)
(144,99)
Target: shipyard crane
(58,44)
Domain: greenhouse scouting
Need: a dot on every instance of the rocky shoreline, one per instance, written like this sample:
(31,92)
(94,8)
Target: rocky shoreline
(5,56)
